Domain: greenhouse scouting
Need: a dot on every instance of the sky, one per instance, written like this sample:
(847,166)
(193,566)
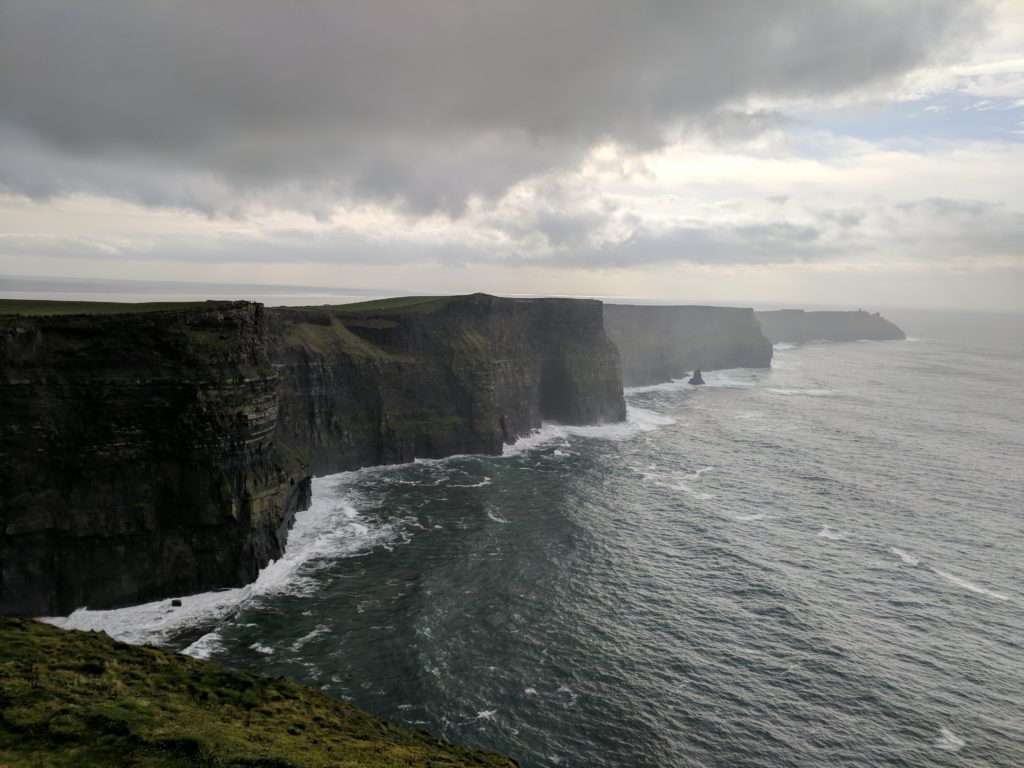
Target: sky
(812,152)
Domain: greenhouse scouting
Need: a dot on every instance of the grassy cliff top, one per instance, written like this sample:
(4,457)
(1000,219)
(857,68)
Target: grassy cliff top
(395,302)
(79,698)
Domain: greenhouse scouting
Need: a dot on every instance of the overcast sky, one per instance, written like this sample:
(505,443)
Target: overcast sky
(807,151)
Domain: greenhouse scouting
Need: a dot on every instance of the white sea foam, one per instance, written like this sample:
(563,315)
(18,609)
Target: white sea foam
(906,557)
(782,345)
(486,714)
(970,585)
(309,636)
(481,484)
(729,377)
(530,691)
(496,518)
(205,647)
(330,527)
(260,648)
(638,420)
(733,377)
(948,740)
(828,533)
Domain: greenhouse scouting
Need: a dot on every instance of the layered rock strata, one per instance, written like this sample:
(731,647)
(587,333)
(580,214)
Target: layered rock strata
(798,326)
(138,457)
(661,343)
(164,453)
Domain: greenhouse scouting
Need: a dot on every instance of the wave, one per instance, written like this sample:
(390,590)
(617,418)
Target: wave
(948,740)
(330,527)
(970,585)
(638,420)
(752,518)
(481,484)
(783,345)
(906,557)
(496,518)
(828,533)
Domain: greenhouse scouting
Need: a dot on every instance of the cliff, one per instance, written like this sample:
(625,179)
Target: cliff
(658,344)
(137,457)
(798,326)
(382,383)
(161,453)
(79,698)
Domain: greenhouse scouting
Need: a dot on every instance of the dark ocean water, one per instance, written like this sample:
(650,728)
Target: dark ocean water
(817,565)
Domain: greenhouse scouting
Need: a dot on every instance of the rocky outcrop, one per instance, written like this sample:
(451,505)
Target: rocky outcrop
(696,379)
(165,453)
(797,326)
(658,344)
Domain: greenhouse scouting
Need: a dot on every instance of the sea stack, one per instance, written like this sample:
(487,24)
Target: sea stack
(696,378)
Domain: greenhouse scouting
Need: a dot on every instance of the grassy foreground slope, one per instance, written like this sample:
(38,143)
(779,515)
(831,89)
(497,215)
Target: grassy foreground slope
(79,698)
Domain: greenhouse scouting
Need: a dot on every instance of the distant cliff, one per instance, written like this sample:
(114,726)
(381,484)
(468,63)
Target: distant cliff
(659,343)
(160,453)
(797,326)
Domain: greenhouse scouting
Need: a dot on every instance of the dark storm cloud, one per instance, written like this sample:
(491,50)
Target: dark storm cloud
(214,106)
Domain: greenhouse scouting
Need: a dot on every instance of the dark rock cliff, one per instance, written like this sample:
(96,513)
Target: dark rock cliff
(377,386)
(797,326)
(163,453)
(658,344)
(137,457)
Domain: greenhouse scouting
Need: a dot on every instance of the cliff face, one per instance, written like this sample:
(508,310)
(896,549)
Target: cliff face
(166,453)
(137,457)
(463,375)
(797,326)
(658,344)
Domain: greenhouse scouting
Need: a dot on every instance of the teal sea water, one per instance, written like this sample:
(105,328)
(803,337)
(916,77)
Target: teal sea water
(820,564)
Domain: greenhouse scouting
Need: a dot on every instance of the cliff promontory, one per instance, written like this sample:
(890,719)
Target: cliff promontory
(798,326)
(157,453)
(661,343)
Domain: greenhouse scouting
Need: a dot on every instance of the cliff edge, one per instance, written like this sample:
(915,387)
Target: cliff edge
(798,326)
(79,698)
(661,343)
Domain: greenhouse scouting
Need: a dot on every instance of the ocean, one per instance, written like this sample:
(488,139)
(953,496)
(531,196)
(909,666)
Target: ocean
(821,564)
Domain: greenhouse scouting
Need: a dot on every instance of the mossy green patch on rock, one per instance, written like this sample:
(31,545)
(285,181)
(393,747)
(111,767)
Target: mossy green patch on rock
(79,698)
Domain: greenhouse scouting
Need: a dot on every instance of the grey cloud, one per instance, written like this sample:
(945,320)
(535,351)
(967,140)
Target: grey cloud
(776,242)
(219,106)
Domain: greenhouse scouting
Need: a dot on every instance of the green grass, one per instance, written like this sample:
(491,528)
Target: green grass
(34,307)
(79,698)
(411,303)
